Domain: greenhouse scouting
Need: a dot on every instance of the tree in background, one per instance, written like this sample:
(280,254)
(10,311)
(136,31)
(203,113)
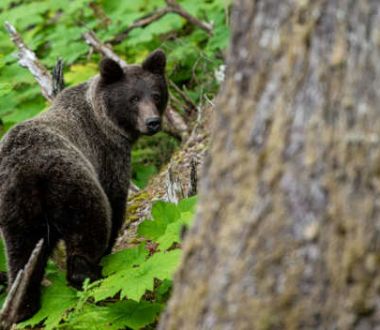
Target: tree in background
(287,234)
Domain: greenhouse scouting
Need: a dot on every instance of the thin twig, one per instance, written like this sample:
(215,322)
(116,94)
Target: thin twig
(176,8)
(192,106)
(18,289)
(28,59)
(140,23)
(172,7)
(91,38)
(175,102)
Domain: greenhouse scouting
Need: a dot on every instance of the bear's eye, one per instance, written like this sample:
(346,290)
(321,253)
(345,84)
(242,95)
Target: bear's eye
(134,99)
(156,97)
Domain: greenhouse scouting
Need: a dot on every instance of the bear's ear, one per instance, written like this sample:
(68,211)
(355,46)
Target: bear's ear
(110,71)
(155,62)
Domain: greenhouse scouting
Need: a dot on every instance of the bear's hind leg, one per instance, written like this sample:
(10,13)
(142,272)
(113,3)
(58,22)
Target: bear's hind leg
(84,222)
(86,244)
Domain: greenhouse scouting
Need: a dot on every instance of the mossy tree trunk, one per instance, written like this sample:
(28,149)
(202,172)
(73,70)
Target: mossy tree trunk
(288,231)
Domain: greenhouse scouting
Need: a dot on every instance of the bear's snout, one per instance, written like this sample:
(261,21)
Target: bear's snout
(148,120)
(153,125)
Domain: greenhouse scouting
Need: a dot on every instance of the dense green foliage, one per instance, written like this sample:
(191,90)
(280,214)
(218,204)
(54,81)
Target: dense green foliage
(54,29)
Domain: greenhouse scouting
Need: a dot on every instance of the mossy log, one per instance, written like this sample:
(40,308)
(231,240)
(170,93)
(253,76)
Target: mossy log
(287,234)
(176,173)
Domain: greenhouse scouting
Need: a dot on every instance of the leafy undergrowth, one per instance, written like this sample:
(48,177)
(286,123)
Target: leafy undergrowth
(136,284)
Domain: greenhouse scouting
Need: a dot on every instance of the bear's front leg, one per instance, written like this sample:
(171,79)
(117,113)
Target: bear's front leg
(83,219)
(79,268)
(86,243)
(118,205)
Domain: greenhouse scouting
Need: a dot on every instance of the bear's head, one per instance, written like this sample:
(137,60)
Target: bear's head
(135,96)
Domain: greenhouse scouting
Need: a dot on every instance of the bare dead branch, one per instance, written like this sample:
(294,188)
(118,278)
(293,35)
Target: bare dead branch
(28,59)
(172,7)
(57,78)
(133,189)
(91,38)
(140,23)
(176,8)
(17,291)
(191,105)
(174,188)
(193,178)
(174,124)
(7,312)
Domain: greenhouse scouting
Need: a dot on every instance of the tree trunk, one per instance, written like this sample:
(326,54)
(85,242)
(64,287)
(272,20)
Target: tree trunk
(287,234)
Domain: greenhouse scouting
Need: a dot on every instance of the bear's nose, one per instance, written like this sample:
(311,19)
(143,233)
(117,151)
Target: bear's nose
(153,124)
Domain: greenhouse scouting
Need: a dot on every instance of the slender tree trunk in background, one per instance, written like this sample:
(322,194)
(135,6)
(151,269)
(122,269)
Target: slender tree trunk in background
(288,231)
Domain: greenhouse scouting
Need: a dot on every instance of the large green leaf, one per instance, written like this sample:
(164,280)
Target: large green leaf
(160,266)
(135,281)
(188,204)
(124,259)
(56,300)
(5,88)
(128,313)
(132,314)
(163,213)
(173,231)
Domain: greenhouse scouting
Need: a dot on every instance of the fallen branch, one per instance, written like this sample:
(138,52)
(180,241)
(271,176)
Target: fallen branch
(176,8)
(171,7)
(140,23)
(17,291)
(174,124)
(192,107)
(50,85)
(28,59)
(91,39)
(193,185)
(174,188)
(57,77)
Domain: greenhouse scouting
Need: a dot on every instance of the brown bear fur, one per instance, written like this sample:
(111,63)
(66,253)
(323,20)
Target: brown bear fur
(65,174)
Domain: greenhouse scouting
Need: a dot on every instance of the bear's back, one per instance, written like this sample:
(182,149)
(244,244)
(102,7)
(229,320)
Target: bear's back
(36,149)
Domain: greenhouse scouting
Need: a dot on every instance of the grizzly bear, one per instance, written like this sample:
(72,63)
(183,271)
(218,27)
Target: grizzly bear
(64,175)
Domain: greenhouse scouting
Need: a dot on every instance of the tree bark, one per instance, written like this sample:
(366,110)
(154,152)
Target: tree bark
(287,234)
